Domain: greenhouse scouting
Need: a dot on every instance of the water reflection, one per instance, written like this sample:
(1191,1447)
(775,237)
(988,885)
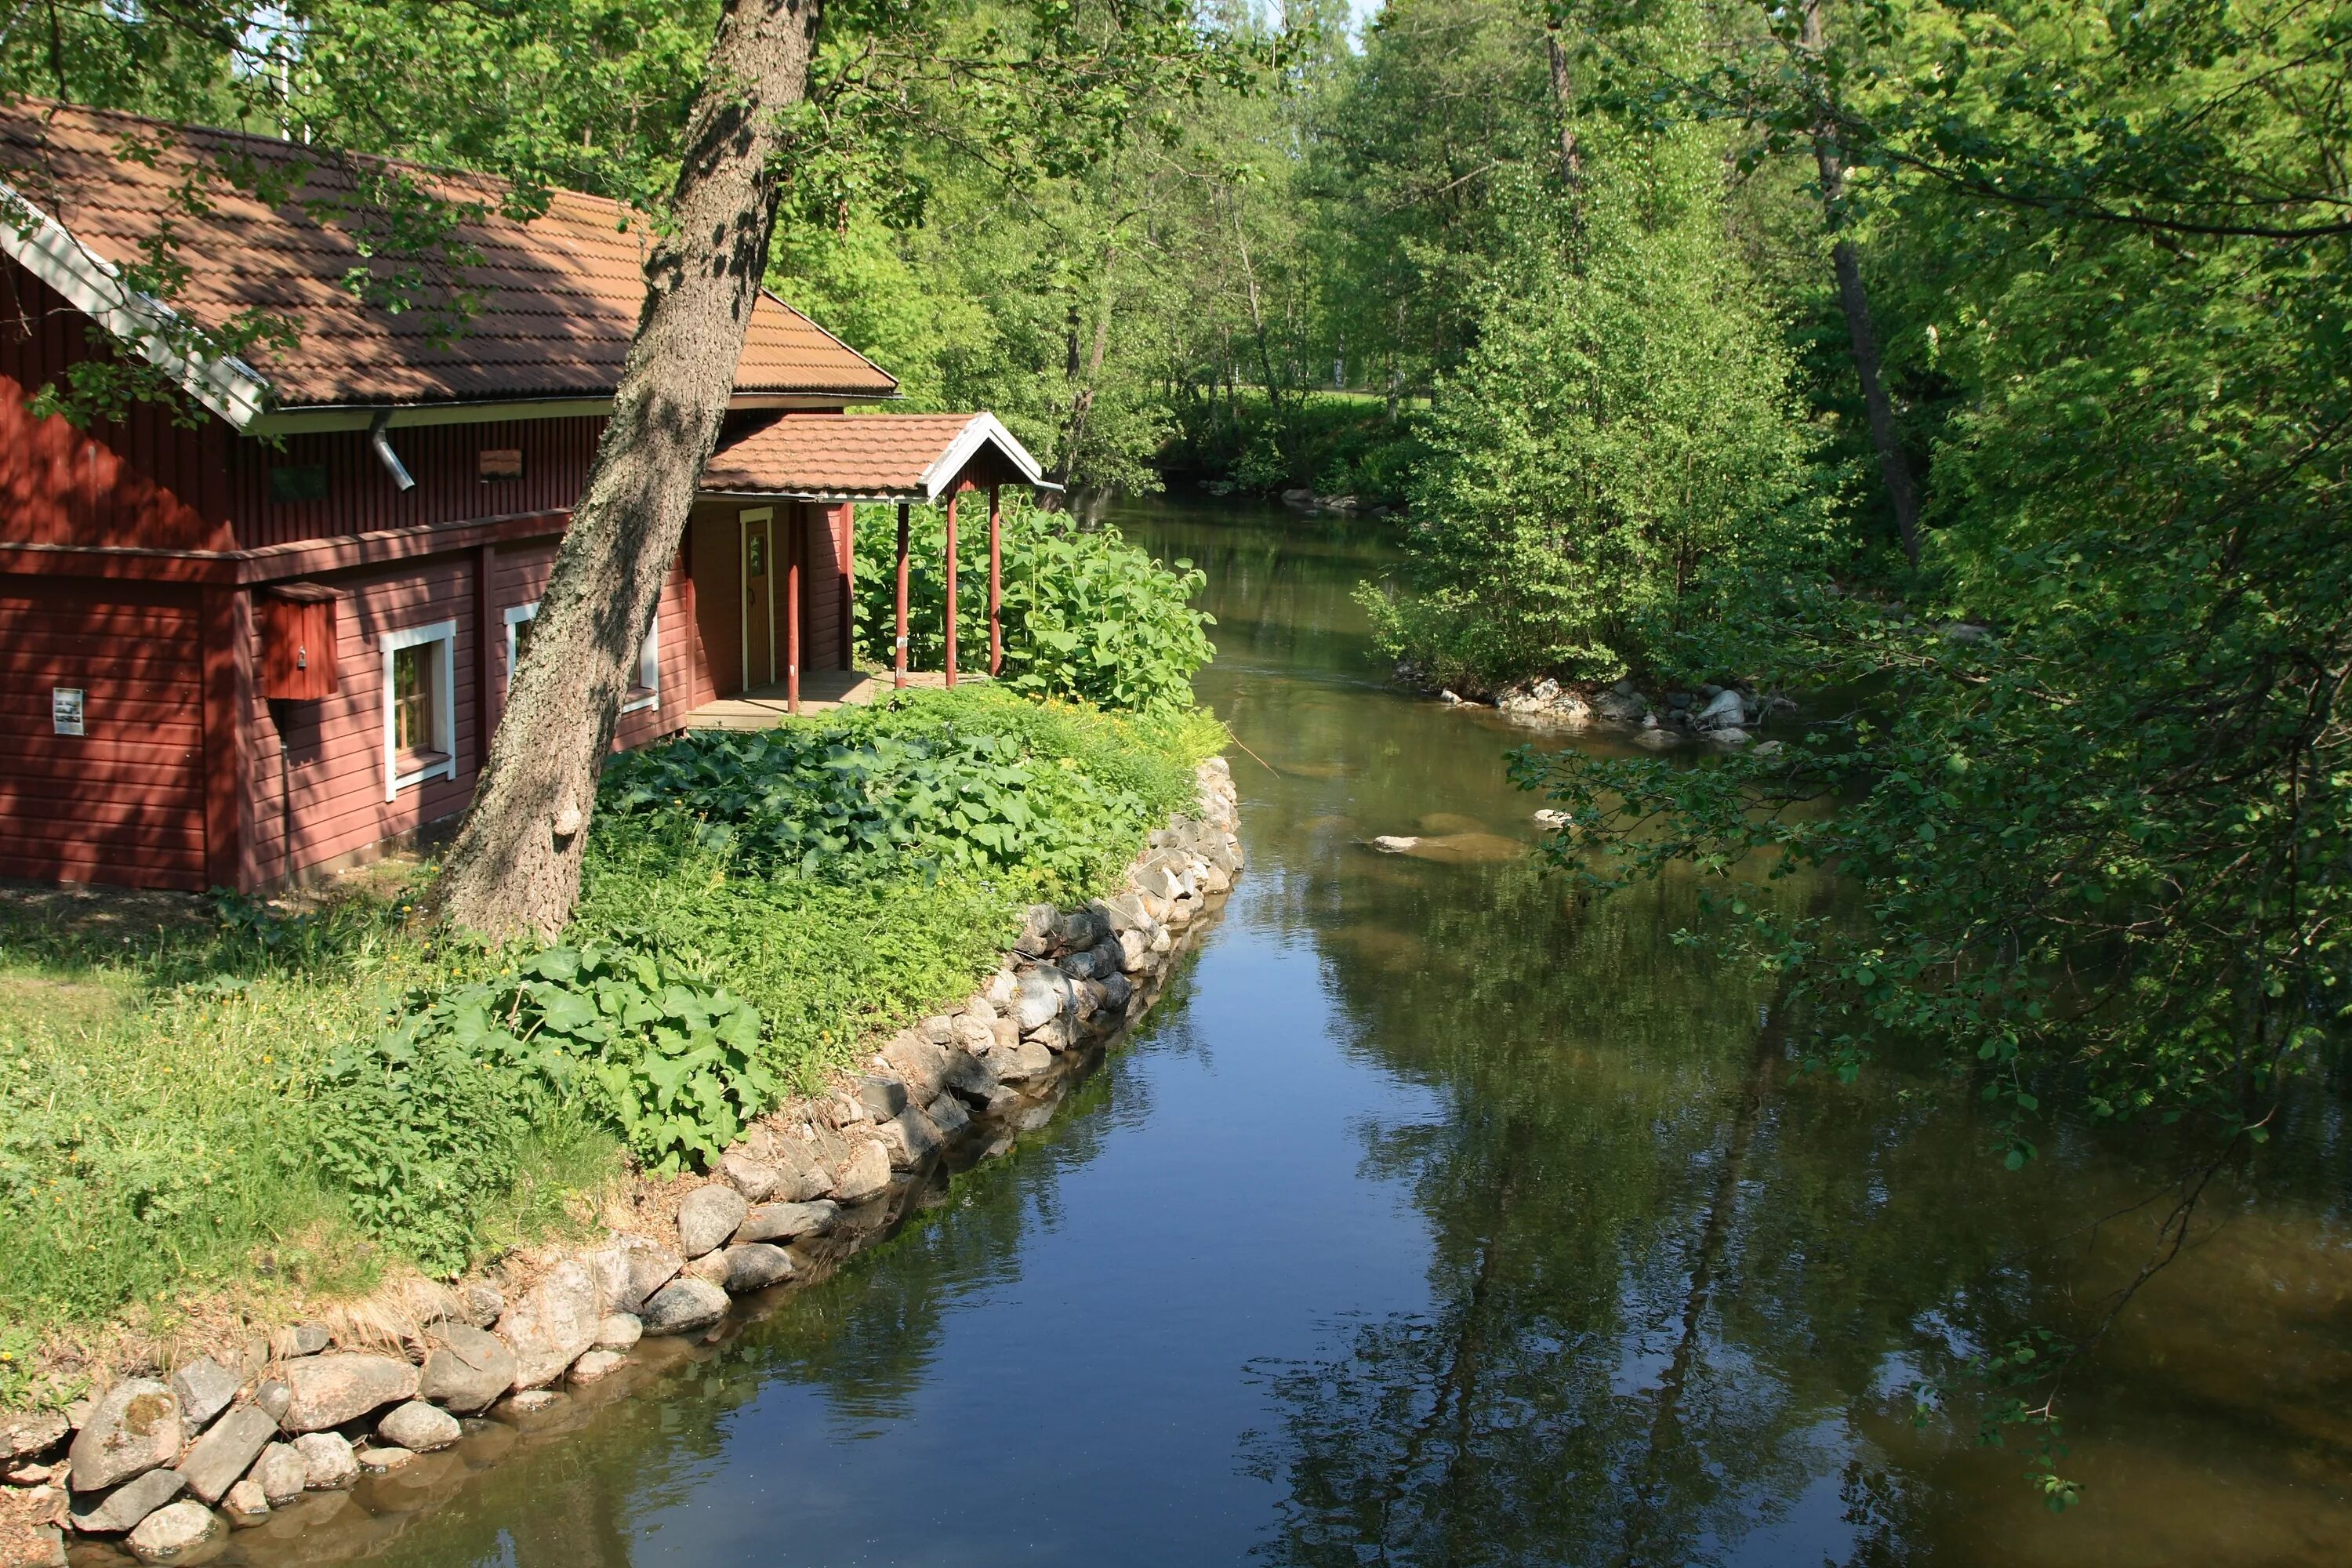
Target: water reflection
(1436,1219)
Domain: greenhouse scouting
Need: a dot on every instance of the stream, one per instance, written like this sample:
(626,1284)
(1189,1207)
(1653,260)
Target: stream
(1429,1219)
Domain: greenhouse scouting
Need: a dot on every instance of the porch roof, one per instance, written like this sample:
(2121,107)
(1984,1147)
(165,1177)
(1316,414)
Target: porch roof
(871,457)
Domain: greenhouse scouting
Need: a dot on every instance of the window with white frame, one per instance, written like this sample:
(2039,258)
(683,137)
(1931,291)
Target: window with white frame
(420,706)
(646,690)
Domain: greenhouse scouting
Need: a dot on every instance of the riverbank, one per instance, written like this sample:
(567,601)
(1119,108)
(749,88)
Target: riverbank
(838,1171)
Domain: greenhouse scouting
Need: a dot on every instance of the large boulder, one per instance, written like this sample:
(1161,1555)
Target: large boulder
(755,1179)
(882,1098)
(283,1472)
(802,1175)
(707,1217)
(863,1175)
(1020,1063)
(630,1268)
(127,1504)
(466,1367)
(787,1222)
(329,1463)
(1723,711)
(135,1426)
(328,1390)
(742,1268)
(1043,993)
(205,1388)
(554,1324)
(619,1331)
(174,1532)
(419,1427)
(910,1139)
(215,1461)
(685,1305)
(922,1065)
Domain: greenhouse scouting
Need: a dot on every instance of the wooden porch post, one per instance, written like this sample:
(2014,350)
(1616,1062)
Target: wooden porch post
(899,670)
(795,546)
(849,583)
(952,587)
(995,581)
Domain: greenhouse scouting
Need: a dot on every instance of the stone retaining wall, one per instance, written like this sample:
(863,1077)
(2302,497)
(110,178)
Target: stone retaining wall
(167,1466)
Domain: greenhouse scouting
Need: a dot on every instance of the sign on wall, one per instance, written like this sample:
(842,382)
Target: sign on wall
(66,708)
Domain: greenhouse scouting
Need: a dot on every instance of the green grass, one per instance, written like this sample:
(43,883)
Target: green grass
(161,1060)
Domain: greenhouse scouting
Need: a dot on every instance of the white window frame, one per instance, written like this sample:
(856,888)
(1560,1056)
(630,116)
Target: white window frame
(445,707)
(648,656)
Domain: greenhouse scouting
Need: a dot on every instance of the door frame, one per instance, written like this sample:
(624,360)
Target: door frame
(744,519)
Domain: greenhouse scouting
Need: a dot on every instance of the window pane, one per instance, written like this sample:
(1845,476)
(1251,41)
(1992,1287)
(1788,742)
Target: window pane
(411,697)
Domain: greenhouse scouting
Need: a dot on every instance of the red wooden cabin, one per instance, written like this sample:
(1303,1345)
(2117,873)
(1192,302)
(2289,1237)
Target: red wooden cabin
(275,640)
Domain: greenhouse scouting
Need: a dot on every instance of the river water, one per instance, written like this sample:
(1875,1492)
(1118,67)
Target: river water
(1431,1219)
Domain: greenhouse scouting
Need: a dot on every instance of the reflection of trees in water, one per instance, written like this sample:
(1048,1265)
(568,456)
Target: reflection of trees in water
(1659,1270)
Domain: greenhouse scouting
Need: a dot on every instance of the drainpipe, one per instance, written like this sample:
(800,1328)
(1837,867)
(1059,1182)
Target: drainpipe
(383,445)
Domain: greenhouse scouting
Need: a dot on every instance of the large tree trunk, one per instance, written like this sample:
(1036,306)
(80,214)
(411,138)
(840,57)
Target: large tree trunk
(1893,465)
(515,868)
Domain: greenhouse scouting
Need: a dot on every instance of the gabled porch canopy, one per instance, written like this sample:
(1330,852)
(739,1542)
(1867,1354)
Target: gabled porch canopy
(904,458)
(832,459)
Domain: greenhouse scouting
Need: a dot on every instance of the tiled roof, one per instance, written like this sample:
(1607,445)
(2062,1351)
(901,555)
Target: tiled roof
(868,456)
(562,291)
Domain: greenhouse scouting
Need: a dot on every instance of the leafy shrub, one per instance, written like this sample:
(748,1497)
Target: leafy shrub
(421,1124)
(1084,615)
(918,786)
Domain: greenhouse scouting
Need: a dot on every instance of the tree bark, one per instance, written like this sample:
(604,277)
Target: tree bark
(1563,95)
(1854,301)
(515,868)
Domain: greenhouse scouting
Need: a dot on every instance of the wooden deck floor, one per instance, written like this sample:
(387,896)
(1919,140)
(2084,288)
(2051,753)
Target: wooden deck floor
(821,691)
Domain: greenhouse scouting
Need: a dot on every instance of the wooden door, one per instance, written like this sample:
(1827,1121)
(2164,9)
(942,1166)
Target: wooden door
(759,598)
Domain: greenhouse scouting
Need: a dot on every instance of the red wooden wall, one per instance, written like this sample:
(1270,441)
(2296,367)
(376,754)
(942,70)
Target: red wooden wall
(123,802)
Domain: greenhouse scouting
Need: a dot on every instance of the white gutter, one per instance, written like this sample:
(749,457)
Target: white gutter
(94,286)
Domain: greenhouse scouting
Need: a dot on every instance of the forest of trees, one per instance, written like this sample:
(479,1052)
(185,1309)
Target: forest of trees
(1985,364)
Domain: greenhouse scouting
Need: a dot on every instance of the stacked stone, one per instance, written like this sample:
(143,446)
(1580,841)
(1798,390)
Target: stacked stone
(169,1466)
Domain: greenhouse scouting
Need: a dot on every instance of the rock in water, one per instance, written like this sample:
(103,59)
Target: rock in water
(683,1306)
(205,1388)
(329,1390)
(632,1268)
(555,1322)
(419,1427)
(134,1427)
(127,1504)
(218,1458)
(468,1368)
(329,1463)
(707,1217)
(1552,819)
(866,1173)
(170,1533)
(1723,712)
(619,1331)
(752,1266)
(246,1503)
(785,1221)
(283,1472)
(596,1364)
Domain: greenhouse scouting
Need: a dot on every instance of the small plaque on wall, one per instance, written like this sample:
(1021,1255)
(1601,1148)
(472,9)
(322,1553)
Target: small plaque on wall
(502,462)
(66,708)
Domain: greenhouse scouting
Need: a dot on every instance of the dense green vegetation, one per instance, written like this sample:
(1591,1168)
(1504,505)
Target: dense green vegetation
(295,1103)
(1085,615)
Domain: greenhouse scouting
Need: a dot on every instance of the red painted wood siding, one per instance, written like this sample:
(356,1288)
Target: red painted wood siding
(318,767)
(124,803)
(822,566)
(444,460)
(521,578)
(148,481)
(145,481)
